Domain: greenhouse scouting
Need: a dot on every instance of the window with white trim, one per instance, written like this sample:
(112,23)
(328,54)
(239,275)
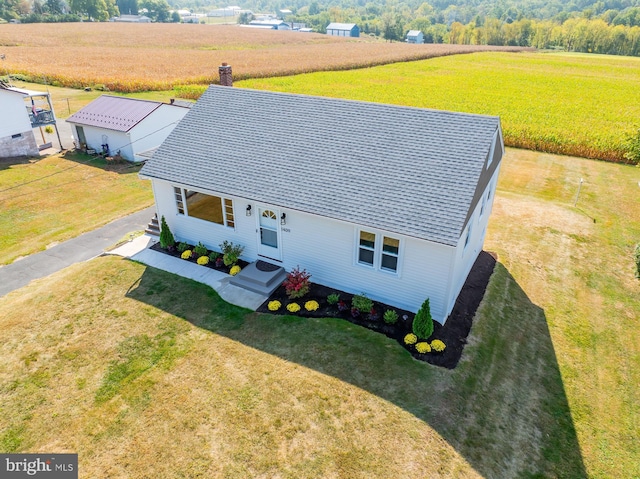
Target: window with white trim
(383,255)
(205,207)
(366,248)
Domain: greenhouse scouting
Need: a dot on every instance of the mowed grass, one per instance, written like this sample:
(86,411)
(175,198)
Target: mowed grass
(130,58)
(48,200)
(583,105)
(146,374)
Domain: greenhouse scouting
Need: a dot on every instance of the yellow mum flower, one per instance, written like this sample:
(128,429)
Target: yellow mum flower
(410,339)
(311,305)
(274,305)
(293,307)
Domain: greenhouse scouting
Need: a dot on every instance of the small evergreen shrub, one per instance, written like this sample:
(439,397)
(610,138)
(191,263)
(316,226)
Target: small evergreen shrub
(390,316)
(423,347)
(361,303)
(423,322)
(214,255)
(296,284)
(438,345)
(333,298)
(166,236)
(182,247)
(200,250)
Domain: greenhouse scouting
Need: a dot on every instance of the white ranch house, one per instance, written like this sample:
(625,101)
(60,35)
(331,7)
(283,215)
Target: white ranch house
(387,200)
(129,126)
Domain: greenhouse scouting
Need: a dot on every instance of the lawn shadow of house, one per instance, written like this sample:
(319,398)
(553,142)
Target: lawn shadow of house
(504,408)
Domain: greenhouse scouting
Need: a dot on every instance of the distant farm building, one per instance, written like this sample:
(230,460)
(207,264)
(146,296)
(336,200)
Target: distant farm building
(230,11)
(270,24)
(343,30)
(415,36)
(132,19)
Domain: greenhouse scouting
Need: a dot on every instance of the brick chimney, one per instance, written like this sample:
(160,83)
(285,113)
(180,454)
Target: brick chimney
(226,79)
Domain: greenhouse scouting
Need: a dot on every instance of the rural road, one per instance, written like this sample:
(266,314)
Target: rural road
(78,249)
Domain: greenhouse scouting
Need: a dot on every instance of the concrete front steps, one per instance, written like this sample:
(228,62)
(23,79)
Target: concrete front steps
(153,228)
(260,277)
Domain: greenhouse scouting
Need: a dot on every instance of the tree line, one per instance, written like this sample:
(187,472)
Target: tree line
(603,26)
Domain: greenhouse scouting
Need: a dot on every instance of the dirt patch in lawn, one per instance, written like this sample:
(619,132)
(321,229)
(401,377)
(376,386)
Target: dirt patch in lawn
(453,334)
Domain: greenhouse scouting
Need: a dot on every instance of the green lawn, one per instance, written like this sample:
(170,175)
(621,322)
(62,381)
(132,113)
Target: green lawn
(583,105)
(146,374)
(48,200)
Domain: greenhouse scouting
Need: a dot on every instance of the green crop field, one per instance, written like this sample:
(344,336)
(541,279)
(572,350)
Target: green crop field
(582,105)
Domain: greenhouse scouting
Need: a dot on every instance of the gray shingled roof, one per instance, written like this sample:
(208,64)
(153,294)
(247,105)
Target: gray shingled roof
(407,170)
(340,26)
(114,112)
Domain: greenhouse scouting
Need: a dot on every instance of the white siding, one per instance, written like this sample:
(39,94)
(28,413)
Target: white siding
(154,129)
(14,118)
(117,140)
(465,257)
(326,248)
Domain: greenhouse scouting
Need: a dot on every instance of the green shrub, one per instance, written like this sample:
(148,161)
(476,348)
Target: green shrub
(200,250)
(361,303)
(423,322)
(390,316)
(166,237)
(637,257)
(230,252)
(214,255)
(182,247)
(333,298)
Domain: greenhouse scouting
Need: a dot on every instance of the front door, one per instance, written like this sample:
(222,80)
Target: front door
(268,233)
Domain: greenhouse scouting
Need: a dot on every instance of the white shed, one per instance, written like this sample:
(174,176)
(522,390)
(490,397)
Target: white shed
(127,126)
(388,200)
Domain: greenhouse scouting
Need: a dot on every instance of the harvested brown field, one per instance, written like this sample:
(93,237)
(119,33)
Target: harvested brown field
(140,57)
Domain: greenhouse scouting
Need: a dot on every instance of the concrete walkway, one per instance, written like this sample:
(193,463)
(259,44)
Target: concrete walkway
(89,245)
(138,250)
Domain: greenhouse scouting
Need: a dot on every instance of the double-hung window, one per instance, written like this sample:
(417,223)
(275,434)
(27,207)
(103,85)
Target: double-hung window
(205,207)
(378,251)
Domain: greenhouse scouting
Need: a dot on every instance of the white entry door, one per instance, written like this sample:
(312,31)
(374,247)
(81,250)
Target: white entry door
(269,233)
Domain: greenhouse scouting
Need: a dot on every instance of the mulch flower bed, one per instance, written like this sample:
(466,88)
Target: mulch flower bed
(453,334)
(218,266)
